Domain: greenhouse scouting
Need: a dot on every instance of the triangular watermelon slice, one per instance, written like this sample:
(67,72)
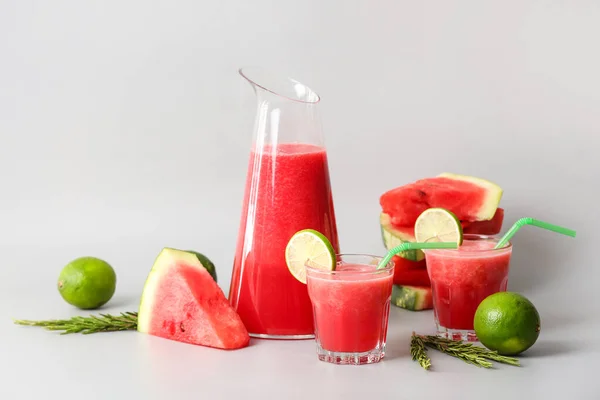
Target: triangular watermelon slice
(470,198)
(181,301)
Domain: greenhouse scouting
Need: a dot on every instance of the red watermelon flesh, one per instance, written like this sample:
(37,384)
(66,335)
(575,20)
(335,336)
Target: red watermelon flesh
(182,302)
(403,264)
(411,273)
(405,232)
(491,227)
(470,198)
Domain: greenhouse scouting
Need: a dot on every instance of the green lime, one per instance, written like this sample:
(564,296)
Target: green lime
(87,282)
(438,225)
(206,263)
(312,247)
(507,322)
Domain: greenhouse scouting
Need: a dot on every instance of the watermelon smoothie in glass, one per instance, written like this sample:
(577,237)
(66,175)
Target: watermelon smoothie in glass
(461,279)
(351,307)
(287,189)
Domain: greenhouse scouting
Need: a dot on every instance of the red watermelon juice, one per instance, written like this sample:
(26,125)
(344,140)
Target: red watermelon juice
(287,189)
(351,309)
(462,278)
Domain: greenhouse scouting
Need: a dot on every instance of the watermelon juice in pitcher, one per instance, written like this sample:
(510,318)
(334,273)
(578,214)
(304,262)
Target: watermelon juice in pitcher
(287,189)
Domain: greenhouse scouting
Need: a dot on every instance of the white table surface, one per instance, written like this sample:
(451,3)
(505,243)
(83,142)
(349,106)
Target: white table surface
(127,365)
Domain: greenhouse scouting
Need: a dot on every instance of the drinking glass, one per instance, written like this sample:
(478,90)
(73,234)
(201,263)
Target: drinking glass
(351,308)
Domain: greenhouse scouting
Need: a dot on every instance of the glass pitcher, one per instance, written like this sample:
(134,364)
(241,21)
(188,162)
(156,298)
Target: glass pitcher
(287,189)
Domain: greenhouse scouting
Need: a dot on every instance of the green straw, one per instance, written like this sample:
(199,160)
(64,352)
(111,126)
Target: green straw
(415,246)
(530,221)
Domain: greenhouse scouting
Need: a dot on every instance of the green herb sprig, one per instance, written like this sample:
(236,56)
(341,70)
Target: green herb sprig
(87,325)
(468,352)
(418,351)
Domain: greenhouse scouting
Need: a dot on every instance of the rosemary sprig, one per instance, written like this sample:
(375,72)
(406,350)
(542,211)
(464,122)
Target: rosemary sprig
(467,352)
(87,325)
(418,351)
(472,349)
(458,350)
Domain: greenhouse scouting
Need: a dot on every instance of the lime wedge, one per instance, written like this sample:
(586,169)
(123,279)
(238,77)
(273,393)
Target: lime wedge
(312,247)
(438,225)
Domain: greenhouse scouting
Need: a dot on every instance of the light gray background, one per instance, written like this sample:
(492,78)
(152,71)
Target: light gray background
(125,128)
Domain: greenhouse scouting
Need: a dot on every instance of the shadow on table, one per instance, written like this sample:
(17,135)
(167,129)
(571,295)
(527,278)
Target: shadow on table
(122,303)
(548,348)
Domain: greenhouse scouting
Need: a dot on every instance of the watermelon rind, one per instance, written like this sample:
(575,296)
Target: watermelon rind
(168,258)
(493,194)
(393,237)
(413,298)
(206,263)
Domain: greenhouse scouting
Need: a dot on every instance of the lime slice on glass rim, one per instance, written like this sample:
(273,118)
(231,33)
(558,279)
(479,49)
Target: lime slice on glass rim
(309,247)
(438,225)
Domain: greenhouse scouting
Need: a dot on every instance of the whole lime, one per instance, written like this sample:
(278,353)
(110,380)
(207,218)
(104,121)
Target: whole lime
(87,282)
(507,322)
(210,267)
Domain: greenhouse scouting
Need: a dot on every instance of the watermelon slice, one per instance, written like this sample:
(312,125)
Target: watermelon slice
(470,198)
(491,227)
(392,236)
(412,273)
(181,301)
(413,298)
(403,264)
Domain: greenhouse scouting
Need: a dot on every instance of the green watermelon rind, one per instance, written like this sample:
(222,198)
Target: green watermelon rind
(493,194)
(392,238)
(206,263)
(410,298)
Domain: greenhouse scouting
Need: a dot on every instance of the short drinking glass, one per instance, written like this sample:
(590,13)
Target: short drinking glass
(462,278)
(351,308)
